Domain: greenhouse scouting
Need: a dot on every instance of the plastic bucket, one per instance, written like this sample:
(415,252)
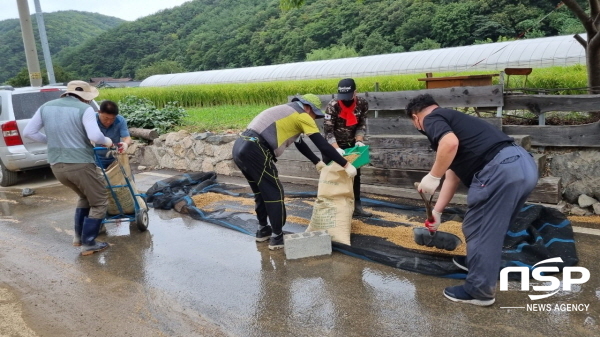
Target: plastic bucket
(363,155)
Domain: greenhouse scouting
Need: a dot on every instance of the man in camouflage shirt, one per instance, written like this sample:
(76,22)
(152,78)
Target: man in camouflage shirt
(345,126)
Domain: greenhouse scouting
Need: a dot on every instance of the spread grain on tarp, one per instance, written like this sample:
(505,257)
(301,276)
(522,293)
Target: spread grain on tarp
(593,219)
(403,235)
(204,201)
(298,220)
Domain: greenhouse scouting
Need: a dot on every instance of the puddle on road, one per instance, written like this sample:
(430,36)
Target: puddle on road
(11,316)
(121,228)
(11,199)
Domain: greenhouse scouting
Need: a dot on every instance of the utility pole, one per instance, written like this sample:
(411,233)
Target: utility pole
(33,63)
(44,41)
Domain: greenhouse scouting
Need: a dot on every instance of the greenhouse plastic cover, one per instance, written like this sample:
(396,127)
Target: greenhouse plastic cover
(529,53)
(538,233)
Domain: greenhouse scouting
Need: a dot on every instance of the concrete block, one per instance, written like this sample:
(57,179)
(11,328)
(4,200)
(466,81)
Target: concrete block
(307,244)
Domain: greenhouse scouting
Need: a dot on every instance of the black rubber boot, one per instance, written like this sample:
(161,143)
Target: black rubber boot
(89,245)
(80,214)
(359,212)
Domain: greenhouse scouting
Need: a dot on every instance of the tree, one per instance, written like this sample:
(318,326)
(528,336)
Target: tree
(160,67)
(289,4)
(425,44)
(591,23)
(22,78)
(454,25)
(333,52)
(375,45)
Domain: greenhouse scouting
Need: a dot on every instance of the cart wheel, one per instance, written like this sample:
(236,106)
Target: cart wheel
(141,219)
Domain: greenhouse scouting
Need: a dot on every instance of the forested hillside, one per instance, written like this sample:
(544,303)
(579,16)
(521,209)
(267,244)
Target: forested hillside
(65,30)
(215,34)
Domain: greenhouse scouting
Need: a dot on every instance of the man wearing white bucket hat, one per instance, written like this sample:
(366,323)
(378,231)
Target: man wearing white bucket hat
(70,128)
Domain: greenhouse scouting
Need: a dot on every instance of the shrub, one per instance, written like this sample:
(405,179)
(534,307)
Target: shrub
(142,113)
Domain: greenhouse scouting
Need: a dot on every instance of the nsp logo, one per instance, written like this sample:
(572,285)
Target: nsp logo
(538,274)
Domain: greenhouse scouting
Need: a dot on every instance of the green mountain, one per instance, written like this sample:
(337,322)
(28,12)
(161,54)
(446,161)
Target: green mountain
(65,30)
(215,34)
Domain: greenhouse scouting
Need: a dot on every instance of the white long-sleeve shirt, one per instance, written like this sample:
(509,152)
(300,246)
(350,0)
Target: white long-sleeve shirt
(32,130)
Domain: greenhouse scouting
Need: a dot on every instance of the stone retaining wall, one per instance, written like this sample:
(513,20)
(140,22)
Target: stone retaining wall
(189,152)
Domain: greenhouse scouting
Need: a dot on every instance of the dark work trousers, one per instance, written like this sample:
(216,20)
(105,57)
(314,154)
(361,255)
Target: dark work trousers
(496,195)
(356,183)
(87,181)
(255,160)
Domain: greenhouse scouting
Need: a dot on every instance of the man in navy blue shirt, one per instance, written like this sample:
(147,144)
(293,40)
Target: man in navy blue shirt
(500,176)
(113,126)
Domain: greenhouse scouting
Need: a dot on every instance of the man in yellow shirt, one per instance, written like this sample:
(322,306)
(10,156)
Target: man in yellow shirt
(265,139)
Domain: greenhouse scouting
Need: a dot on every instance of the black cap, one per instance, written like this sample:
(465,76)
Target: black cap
(346,89)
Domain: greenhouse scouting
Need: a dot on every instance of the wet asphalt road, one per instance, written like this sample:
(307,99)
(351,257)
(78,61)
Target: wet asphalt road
(189,278)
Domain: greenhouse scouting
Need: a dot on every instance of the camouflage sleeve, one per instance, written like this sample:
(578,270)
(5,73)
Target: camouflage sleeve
(361,128)
(329,122)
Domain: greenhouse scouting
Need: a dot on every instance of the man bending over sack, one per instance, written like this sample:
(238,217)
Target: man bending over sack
(500,176)
(265,139)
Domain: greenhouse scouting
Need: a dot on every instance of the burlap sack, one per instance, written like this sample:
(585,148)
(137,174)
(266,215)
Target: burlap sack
(335,204)
(123,194)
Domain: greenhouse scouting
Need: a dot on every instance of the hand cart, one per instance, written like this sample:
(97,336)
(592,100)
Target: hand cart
(125,202)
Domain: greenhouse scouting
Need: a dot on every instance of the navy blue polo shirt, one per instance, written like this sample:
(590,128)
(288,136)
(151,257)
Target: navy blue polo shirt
(116,131)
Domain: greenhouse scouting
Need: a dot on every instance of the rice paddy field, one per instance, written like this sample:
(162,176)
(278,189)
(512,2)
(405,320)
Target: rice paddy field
(219,107)
(272,93)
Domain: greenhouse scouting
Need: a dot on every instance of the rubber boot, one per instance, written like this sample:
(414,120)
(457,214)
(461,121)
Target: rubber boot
(359,212)
(80,214)
(89,245)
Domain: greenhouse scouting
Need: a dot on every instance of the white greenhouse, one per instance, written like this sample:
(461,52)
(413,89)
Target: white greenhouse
(531,53)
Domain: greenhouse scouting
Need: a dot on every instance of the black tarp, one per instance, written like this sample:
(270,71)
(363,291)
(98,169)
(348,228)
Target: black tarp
(539,232)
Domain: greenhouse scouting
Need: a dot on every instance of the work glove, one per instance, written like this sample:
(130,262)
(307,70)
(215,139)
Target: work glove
(429,184)
(432,226)
(350,170)
(340,151)
(320,165)
(359,143)
(108,142)
(122,147)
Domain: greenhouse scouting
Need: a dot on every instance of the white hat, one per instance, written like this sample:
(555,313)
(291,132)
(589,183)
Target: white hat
(81,89)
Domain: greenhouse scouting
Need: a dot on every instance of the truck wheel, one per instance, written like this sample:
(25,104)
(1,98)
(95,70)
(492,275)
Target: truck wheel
(7,178)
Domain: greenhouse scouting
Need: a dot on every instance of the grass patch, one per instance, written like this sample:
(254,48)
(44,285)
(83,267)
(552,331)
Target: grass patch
(221,118)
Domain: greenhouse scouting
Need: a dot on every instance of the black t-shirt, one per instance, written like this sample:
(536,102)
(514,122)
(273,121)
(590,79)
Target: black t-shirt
(477,140)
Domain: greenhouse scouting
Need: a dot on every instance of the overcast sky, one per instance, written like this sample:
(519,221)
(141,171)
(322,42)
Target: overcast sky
(123,9)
